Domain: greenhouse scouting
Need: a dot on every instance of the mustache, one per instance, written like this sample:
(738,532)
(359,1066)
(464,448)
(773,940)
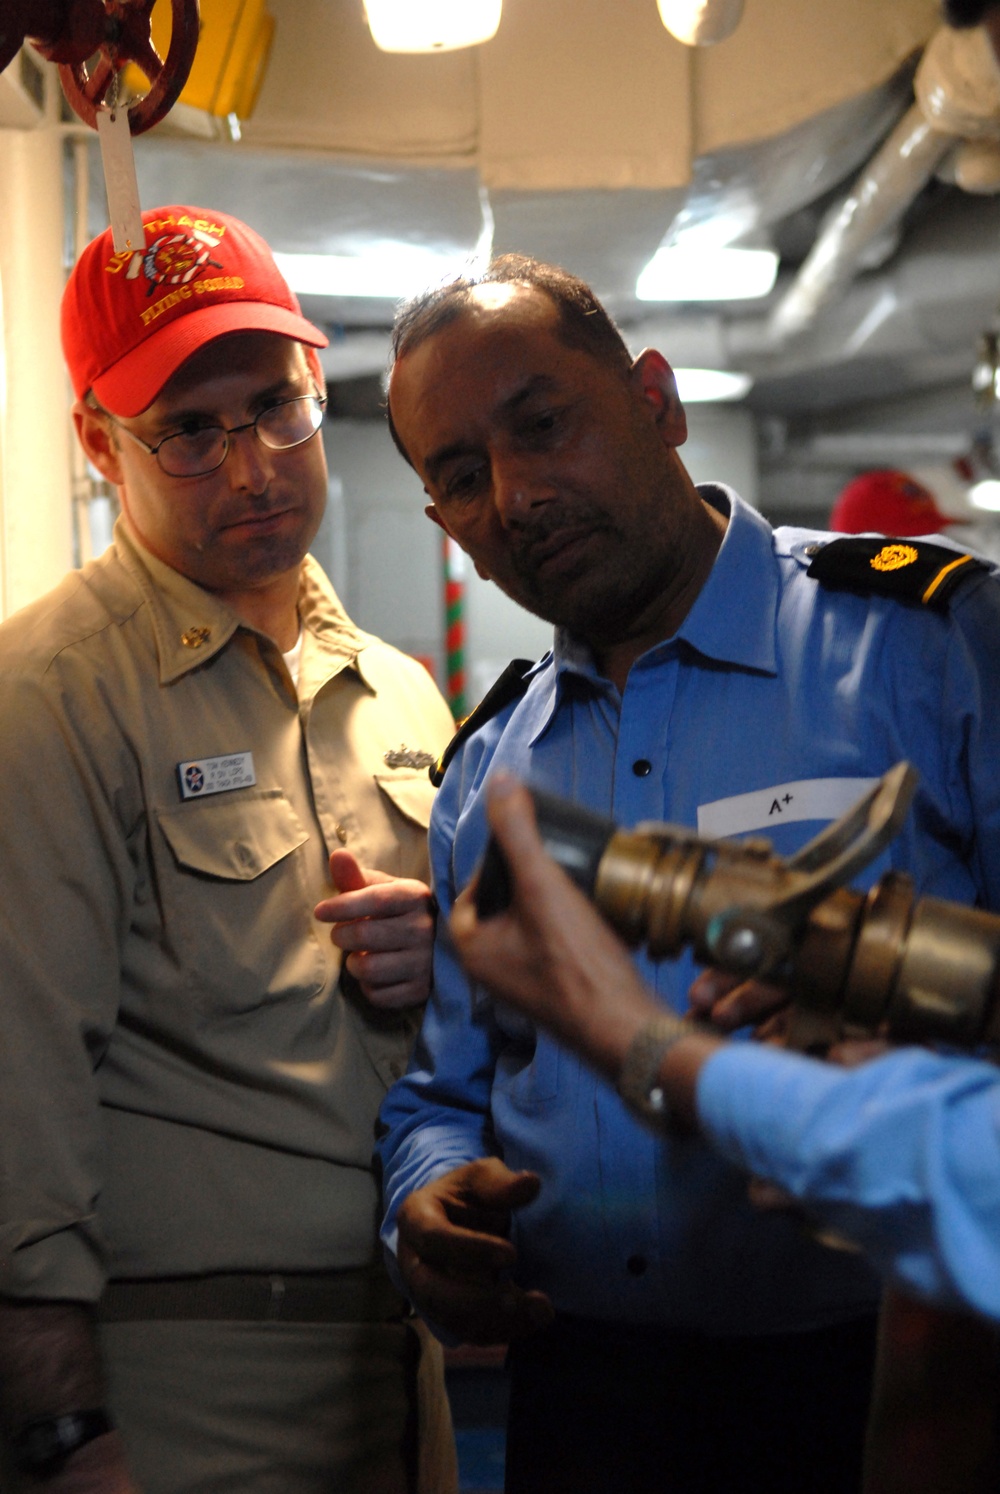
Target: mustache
(533,539)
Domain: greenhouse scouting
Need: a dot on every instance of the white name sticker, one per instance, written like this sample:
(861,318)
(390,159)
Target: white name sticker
(807,799)
(215,775)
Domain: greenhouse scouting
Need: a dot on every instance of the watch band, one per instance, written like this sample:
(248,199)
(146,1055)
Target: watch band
(43,1445)
(639,1080)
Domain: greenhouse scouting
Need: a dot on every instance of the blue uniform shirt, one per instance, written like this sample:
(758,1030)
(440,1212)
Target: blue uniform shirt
(771,710)
(901,1156)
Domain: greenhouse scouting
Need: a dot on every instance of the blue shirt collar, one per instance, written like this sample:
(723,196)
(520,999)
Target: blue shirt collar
(733,620)
(734,616)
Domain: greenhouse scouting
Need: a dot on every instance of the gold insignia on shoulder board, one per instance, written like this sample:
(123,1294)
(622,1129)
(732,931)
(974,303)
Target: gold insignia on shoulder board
(408,757)
(893,558)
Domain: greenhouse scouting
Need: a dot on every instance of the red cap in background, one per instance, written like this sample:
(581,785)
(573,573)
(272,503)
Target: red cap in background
(887,502)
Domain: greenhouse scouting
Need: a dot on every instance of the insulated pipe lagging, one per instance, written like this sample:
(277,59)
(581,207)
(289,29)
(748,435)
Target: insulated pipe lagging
(882,193)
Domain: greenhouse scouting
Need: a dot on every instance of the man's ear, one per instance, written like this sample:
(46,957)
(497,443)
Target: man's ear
(436,518)
(654,380)
(94,433)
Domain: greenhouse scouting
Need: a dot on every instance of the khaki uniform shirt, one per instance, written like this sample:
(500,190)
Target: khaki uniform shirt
(185,1085)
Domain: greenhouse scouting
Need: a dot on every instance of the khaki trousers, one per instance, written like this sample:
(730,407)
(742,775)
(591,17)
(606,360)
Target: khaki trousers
(280,1408)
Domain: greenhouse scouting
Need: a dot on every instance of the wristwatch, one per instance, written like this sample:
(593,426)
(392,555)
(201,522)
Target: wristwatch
(639,1080)
(42,1446)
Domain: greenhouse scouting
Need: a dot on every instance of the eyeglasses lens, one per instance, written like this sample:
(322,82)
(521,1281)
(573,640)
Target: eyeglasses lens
(196,453)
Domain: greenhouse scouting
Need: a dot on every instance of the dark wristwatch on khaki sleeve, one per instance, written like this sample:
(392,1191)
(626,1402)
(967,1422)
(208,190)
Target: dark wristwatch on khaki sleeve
(43,1445)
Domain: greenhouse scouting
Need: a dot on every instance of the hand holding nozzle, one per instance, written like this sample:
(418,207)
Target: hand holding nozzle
(854,964)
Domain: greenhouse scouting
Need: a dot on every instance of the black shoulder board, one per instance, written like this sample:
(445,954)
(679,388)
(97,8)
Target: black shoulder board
(512,683)
(912,570)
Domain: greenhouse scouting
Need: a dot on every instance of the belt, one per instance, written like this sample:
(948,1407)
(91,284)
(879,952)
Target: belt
(352,1296)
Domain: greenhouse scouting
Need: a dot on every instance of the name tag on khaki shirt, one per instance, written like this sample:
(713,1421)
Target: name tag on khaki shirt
(215,775)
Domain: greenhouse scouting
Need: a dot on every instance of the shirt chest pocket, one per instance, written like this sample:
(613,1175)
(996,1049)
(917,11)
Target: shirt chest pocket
(236,910)
(404,801)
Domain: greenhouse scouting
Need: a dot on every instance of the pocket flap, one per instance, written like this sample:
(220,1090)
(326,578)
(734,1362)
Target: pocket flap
(411,792)
(233,838)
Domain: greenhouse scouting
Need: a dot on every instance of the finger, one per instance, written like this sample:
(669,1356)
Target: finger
(390,966)
(346,873)
(853,1051)
(749,1003)
(481,1312)
(471,1206)
(490,1184)
(393,897)
(710,987)
(511,813)
(407,932)
(769,1198)
(398,997)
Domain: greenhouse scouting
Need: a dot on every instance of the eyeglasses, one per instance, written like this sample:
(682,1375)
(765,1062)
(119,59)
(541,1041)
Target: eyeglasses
(195,453)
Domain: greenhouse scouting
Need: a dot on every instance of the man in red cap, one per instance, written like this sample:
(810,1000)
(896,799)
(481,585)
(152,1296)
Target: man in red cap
(191,1294)
(887,502)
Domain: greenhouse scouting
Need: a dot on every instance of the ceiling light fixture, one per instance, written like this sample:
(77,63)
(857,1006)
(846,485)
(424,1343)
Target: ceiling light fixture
(707,385)
(431,25)
(676,274)
(386,271)
(986,494)
(700,23)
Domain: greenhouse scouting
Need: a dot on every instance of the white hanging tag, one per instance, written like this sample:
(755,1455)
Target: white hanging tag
(119,179)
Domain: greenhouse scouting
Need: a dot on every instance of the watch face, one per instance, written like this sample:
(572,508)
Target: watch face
(43,1445)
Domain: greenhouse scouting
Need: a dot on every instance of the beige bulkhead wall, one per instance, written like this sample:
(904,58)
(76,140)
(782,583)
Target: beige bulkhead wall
(36,523)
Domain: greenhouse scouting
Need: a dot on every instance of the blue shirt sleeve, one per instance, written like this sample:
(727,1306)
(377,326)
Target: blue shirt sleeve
(436,1118)
(900,1155)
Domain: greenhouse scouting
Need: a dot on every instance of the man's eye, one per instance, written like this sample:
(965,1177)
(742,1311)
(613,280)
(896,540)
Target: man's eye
(465,483)
(540,424)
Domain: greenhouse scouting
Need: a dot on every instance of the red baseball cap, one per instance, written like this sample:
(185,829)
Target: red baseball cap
(130,319)
(887,502)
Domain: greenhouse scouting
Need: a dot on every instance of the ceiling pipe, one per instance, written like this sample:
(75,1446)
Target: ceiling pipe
(957,89)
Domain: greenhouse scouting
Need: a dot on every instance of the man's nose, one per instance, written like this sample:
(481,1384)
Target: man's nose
(518,490)
(249,463)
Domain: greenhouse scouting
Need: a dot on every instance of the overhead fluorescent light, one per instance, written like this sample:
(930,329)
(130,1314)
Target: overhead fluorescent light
(704,385)
(706,274)
(700,23)
(431,25)
(986,494)
(389,272)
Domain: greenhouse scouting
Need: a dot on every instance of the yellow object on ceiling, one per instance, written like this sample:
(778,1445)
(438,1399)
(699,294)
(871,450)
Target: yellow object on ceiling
(234,46)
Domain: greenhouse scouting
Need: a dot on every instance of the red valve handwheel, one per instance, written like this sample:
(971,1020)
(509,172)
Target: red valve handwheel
(92,39)
(127,39)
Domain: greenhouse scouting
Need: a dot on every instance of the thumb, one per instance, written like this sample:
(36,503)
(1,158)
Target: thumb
(345,872)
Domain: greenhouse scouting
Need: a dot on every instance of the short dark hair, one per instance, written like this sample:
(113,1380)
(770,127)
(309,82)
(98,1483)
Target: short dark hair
(583,321)
(966,12)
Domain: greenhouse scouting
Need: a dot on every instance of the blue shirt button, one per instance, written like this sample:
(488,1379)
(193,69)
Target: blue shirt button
(642,767)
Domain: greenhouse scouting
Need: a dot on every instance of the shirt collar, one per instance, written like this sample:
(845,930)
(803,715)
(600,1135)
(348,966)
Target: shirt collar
(191,625)
(733,619)
(734,615)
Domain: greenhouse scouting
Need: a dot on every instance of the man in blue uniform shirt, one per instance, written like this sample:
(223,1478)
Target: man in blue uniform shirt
(699,675)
